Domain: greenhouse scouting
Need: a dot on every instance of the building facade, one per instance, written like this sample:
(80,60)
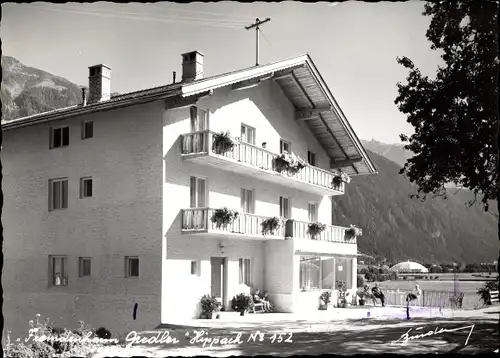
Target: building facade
(108,205)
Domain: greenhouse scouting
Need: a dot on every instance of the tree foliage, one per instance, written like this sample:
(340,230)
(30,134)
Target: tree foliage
(455,115)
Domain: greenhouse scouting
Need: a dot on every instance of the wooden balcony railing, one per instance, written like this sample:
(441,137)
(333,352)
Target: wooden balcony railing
(202,143)
(300,229)
(199,219)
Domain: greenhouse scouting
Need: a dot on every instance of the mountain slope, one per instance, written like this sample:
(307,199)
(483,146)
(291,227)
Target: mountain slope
(27,90)
(394,152)
(397,227)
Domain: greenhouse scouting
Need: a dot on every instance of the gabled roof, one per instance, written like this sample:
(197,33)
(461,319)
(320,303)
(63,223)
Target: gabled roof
(300,81)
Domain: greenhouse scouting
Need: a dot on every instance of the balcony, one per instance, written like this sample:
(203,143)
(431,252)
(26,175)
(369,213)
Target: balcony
(198,220)
(251,160)
(300,230)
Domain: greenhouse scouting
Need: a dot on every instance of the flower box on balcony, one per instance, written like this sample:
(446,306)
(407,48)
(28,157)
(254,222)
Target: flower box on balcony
(223,217)
(270,225)
(315,229)
(353,232)
(340,178)
(223,142)
(289,163)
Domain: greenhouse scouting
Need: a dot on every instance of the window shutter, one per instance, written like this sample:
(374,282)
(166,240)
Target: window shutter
(242,199)
(64,194)
(193,192)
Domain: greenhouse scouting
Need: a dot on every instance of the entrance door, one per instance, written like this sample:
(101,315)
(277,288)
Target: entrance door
(218,277)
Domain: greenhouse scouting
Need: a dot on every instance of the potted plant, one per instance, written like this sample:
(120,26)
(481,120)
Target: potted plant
(209,306)
(222,142)
(353,232)
(342,296)
(224,217)
(241,303)
(270,225)
(315,229)
(340,178)
(289,163)
(324,300)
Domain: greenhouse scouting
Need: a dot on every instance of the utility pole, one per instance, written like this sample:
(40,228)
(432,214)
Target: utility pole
(256,25)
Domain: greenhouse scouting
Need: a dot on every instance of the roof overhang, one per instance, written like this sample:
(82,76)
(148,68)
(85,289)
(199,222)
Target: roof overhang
(303,85)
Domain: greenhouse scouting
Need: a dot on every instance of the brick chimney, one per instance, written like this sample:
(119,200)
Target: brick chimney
(99,83)
(192,66)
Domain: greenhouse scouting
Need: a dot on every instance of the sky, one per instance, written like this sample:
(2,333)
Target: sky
(353,44)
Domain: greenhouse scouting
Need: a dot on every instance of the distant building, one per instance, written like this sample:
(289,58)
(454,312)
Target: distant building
(409,267)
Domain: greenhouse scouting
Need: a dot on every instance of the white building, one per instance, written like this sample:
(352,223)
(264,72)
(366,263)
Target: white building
(109,204)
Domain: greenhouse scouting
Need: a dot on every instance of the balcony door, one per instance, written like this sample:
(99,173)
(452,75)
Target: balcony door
(199,123)
(285,211)
(198,200)
(313,212)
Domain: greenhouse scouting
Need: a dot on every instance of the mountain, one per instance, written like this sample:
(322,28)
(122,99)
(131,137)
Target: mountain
(399,228)
(27,90)
(394,152)
(394,226)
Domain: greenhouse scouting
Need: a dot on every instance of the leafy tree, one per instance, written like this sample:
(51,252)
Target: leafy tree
(455,115)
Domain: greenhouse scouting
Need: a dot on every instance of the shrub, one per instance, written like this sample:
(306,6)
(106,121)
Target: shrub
(483,292)
(209,304)
(103,333)
(361,281)
(371,277)
(241,302)
(437,277)
(405,277)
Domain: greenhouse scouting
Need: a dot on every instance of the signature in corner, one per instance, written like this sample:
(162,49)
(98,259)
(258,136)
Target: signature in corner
(405,337)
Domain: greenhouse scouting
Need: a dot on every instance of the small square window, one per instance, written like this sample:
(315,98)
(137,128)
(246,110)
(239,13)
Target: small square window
(59,137)
(87,129)
(195,268)
(132,266)
(84,266)
(284,146)
(86,187)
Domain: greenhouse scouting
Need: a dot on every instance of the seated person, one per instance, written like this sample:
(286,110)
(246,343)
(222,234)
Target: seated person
(258,299)
(377,292)
(266,298)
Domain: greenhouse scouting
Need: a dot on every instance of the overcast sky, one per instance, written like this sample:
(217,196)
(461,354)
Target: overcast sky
(353,44)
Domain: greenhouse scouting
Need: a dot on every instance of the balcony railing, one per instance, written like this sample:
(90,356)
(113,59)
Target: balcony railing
(199,143)
(300,229)
(200,219)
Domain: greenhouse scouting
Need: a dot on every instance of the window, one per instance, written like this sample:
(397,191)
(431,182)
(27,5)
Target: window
(86,187)
(313,212)
(284,207)
(59,137)
(248,201)
(58,194)
(195,268)
(247,134)
(87,129)
(83,266)
(198,190)
(132,266)
(58,269)
(322,272)
(311,158)
(199,119)
(245,271)
(284,146)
